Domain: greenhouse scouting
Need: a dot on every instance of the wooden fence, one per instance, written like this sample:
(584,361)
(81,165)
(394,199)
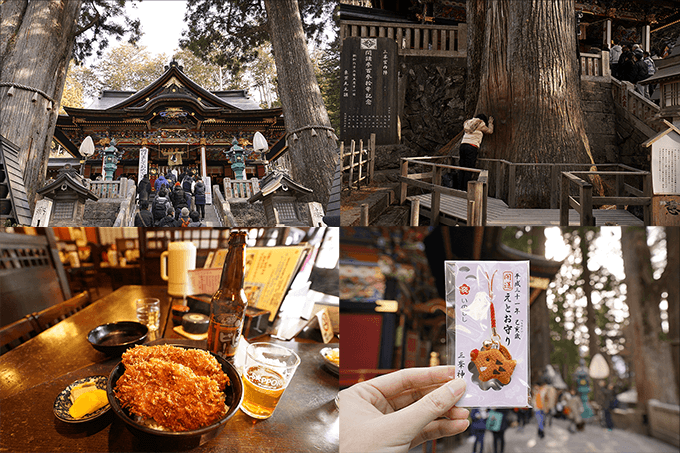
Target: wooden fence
(625,194)
(241,188)
(359,163)
(431,180)
(413,39)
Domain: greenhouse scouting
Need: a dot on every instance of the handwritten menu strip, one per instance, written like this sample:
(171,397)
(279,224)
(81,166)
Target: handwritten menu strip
(269,273)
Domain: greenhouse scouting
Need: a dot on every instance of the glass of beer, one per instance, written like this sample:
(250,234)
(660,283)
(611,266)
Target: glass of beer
(268,370)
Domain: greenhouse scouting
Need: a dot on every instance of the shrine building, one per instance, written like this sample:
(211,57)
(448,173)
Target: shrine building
(182,125)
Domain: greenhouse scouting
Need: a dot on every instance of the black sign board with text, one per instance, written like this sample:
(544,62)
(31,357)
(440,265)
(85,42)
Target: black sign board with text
(368,94)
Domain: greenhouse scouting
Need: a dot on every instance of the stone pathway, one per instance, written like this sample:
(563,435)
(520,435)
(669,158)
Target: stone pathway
(558,439)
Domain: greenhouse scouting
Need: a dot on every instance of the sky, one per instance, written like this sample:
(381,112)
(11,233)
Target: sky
(162,24)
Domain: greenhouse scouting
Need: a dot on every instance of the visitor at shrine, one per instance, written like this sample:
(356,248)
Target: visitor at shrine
(186,186)
(184,219)
(161,181)
(178,199)
(144,218)
(640,73)
(169,219)
(161,204)
(199,198)
(475,129)
(651,70)
(195,220)
(144,188)
(626,68)
(614,55)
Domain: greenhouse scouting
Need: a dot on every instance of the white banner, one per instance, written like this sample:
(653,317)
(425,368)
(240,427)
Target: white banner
(143,163)
(208,189)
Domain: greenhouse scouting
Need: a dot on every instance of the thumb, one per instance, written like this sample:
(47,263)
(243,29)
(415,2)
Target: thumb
(430,407)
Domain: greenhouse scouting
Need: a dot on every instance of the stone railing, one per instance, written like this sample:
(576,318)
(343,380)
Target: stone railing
(128,207)
(413,39)
(644,112)
(595,64)
(107,189)
(240,188)
(222,208)
(663,421)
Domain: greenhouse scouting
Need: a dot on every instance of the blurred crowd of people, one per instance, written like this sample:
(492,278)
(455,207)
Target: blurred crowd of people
(547,403)
(630,63)
(177,200)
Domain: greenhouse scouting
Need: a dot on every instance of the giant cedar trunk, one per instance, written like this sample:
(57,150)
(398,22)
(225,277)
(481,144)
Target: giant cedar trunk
(529,83)
(313,158)
(37,44)
(654,374)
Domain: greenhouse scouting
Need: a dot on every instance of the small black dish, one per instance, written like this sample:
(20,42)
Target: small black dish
(116,337)
(179,440)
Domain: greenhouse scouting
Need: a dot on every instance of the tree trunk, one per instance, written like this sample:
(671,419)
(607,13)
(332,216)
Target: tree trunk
(591,320)
(671,283)
(529,83)
(313,158)
(49,26)
(541,344)
(654,374)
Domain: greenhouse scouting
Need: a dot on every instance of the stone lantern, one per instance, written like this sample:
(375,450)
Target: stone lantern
(286,202)
(68,195)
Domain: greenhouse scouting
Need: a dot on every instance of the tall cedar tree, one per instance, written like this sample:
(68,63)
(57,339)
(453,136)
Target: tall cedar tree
(37,41)
(655,377)
(228,33)
(523,71)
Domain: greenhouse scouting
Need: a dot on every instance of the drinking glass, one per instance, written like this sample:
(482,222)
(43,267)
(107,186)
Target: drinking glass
(149,313)
(268,370)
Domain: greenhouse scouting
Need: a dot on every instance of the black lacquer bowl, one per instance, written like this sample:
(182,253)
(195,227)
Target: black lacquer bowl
(179,440)
(116,337)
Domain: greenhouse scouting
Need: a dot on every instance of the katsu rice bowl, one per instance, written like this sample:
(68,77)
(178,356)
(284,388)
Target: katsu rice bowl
(174,391)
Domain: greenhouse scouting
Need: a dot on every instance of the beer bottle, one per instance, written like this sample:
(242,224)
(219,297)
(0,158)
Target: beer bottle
(228,304)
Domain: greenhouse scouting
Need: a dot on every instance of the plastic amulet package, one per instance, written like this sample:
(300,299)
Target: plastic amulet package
(487,330)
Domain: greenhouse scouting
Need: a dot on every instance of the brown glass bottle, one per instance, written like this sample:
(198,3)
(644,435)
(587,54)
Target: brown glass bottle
(228,304)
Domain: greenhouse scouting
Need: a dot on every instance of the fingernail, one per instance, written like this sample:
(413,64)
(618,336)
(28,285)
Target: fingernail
(457,387)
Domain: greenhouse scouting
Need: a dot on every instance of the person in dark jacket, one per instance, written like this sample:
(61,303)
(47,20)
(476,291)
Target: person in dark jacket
(195,220)
(160,205)
(172,178)
(144,218)
(186,186)
(144,188)
(478,428)
(626,68)
(640,73)
(178,199)
(169,219)
(199,198)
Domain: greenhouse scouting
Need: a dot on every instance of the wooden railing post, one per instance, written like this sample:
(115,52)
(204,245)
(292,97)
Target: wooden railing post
(402,186)
(564,200)
(363,219)
(415,211)
(620,190)
(647,190)
(351,164)
(475,203)
(436,195)
(512,186)
(586,200)
(361,163)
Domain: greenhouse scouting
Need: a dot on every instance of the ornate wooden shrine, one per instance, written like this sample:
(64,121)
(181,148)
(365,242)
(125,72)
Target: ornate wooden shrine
(183,126)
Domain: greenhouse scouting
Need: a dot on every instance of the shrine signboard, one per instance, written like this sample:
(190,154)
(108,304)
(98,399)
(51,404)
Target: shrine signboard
(368,94)
(665,156)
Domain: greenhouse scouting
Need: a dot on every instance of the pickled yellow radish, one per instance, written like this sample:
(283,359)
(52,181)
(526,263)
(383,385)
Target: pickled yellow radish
(88,402)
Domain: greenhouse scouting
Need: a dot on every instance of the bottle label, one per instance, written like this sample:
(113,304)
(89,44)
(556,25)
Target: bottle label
(223,340)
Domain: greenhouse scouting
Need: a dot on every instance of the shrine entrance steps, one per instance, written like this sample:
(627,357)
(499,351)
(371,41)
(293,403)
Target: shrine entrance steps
(453,211)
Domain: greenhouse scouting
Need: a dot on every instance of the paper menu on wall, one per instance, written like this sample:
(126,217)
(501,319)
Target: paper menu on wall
(269,273)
